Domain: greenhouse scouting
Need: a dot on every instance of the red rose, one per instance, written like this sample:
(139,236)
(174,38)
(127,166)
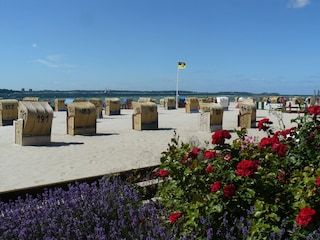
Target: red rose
(293,129)
(288,132)
(285,132)
(219,136)
(263,124)
(305,216)
(161,173)
(226,134)
(185,159)
(174,217)
(275,147)
(265,142)
(210,154)
(229,191)
(281,178)
(314,110)
(246,168)
(284,176)
(282,150)
(194,152)
(216,186)
(209,169)
(227,157)
(318,182)
(275,137)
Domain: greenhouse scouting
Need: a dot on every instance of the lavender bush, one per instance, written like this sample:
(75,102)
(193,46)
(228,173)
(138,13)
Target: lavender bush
(107,209)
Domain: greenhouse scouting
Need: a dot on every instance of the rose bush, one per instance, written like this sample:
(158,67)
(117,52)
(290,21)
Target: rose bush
(276,179)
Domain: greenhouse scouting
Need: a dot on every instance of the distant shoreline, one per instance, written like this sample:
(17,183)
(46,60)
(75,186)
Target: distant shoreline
(51,95)
(150,92)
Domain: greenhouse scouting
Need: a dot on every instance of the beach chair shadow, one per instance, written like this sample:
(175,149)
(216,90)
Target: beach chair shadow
(165,129)
(62,144)
(105,134)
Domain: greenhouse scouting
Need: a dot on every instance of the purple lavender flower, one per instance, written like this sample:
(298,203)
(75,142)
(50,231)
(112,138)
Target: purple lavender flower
(107,209)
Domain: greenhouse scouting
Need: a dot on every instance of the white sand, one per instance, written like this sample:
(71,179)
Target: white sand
(116,147)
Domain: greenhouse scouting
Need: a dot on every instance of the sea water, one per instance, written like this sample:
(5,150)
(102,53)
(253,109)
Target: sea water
(123,95)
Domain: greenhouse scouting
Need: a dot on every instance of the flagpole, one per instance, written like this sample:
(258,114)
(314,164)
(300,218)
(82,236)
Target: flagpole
(177,93)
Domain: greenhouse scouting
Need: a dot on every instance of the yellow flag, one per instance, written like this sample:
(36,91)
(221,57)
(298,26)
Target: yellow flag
(181,65)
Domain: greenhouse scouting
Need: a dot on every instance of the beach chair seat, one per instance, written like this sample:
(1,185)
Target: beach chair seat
(224,101)
(8,111)
(211,116)
(207,100)
(169,103)
(81,118)
(59,104)
(247,115)
(34,123)
(97,102)
(145,116)
(127,103)
(161,102)
(147,99)
(192,105)
(113,106)
(31,99)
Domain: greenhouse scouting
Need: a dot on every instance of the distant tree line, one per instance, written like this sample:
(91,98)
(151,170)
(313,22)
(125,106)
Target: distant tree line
(2,90)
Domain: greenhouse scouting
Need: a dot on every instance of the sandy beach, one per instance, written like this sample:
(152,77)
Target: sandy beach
(116,147)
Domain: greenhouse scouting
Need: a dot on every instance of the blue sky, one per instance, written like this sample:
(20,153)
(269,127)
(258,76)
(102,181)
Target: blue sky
(227,45)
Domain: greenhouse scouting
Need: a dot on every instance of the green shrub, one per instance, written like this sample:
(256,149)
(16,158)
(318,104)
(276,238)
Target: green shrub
(279,176)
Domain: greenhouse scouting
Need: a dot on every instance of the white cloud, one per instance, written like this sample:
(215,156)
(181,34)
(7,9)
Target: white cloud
(44,62)
(298,3)
(54,61)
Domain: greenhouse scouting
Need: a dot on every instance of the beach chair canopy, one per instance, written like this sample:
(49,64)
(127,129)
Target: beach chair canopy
(68,100)
(183,98)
